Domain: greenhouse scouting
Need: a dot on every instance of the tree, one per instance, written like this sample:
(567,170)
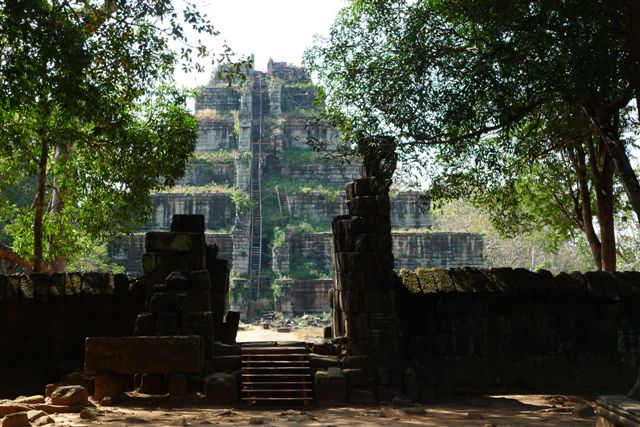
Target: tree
(87,107)
(475,79)
(533,250)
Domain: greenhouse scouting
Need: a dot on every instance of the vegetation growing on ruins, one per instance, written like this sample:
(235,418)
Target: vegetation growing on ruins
(241,200)
(211,157)
(195,189)
(523,109)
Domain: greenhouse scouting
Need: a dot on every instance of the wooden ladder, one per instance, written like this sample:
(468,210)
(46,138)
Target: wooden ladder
(255,245)
(276,376)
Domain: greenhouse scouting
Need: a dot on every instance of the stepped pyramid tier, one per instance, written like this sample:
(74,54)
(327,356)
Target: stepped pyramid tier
(268,198)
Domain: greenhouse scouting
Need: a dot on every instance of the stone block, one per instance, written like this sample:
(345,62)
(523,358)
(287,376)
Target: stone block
(390,376)
(218,275)
(330,388)
(177,384)
(628,284)
(434,280)
(232,321)
(73,284)
(383,224)
(178,280)
(121,287)
(324,346)
(78,378)
(384,206)
(349,301)
(200,280)
(183,223)
(193,301)
(410,280)
(112,386)
(227,363)
(70,395)
(157,241)
(217,304)
(163,302)
(57,284)
(323,361)
(97,284)
(221,388)
(41,285)
(361,187)
(17,419)
(145,324)
(131,355)
(411,384)
(49,388)
(601,286)
(168,324)
(350,190)
(364,206)
(222,349)
(571,285)
(199,324)
(153,384)
(354,362)
(149,262)
(25,287)
(356,378)
(362,397)
(378,301)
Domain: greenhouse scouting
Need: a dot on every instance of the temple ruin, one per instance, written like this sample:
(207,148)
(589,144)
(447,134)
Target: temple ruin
(268,198)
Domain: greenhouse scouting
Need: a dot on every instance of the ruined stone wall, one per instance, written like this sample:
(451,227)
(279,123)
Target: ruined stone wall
(438,249)
(315,249)
(46,318)
(297,97)
(216,134)
(204,173)
(127,250)
(409,210)
(296,132)
(315,206)
(489,329)
(217,208)
(304,296)
(220,97)
(323,172)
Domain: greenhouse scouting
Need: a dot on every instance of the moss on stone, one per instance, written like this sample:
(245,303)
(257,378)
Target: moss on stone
(410,280)
(435,280)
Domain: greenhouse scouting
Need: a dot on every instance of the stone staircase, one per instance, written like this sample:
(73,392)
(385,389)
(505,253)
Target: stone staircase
(276,375)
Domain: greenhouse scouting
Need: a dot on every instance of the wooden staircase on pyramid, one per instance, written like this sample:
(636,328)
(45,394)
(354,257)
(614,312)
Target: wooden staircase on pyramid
(276,375)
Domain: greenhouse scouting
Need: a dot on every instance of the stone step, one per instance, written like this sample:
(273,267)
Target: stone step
(274,361)
(276,390)
(271,350)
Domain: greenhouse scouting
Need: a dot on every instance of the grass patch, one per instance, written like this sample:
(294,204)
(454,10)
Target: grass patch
(212,188)
(218,156)
(209,114)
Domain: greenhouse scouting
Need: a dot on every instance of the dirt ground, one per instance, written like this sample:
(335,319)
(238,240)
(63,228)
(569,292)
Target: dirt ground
(498,411)
(491,411)
(253,333)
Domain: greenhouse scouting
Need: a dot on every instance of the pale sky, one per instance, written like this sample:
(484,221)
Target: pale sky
(277,29)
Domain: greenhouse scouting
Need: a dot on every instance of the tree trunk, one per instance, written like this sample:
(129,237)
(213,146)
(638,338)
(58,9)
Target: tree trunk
(595,246)
(617,151)
(56,204)
(602,170)
(38,261)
